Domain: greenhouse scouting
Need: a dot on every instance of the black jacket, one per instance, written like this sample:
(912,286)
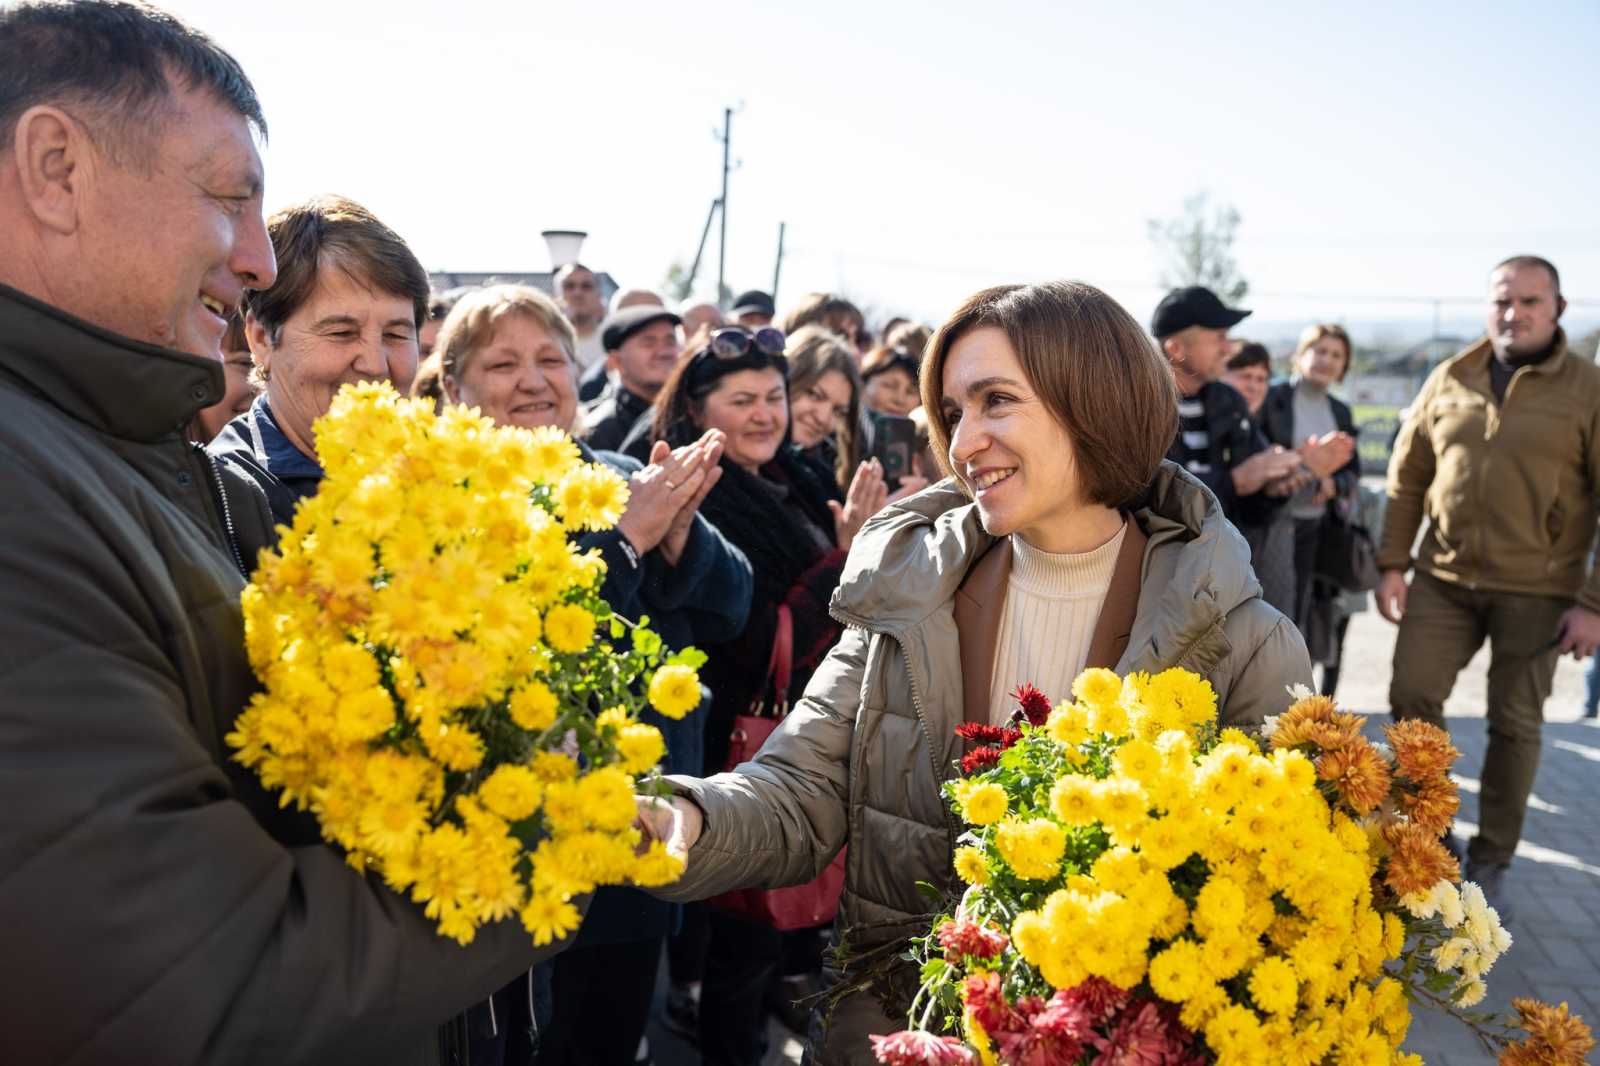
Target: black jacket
(1233,438)
(604,424)
(1277,422)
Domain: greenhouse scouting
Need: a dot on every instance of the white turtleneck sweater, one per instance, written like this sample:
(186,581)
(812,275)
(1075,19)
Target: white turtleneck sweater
(1052,604)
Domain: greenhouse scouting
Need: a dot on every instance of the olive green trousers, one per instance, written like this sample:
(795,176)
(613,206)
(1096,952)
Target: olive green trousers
(1443,627)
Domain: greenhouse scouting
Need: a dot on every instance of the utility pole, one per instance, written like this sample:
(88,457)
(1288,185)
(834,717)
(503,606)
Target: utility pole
(699,252)
(777,266)
(722,250)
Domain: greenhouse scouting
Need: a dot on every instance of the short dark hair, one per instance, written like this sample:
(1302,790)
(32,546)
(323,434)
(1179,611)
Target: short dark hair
(1251,353)
(1527,262)
(1094,369)
(117,61)
(827,310)
(333,231)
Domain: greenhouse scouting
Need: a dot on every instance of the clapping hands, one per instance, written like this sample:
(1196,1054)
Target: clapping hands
(665,495)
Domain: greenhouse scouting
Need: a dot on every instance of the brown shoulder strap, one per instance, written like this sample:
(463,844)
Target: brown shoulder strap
(1115,624)
(979,603)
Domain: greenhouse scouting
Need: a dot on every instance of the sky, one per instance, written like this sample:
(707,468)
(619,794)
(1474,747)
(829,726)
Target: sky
(1381,156)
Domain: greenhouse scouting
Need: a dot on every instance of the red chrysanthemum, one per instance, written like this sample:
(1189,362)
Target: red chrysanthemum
(988,1005)
(921,1049)
(1035,704)
(979,759)
(1098,996)
(1146,1034)
(959,938)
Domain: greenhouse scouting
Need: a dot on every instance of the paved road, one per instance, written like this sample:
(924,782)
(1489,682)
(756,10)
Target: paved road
(1555,879)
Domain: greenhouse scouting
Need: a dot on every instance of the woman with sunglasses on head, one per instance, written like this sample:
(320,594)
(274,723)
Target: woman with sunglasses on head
(788,518)
(1063,540)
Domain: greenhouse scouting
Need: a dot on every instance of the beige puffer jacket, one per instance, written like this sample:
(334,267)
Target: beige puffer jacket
(861,758)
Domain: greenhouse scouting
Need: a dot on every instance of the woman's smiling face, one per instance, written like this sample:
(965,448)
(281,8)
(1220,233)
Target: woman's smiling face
(752,408)
(1006,446)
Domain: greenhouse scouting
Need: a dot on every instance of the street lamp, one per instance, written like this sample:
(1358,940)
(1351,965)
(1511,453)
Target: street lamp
(564,245)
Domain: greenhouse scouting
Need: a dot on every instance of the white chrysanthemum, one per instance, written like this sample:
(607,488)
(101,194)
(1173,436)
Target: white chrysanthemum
(1423,905)
(1300,691)
(1470,993)
(1451,912)
(1502,939)
(1449,955)
(1269,726)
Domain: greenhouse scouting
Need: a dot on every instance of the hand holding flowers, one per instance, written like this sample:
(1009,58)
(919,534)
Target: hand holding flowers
(444,688)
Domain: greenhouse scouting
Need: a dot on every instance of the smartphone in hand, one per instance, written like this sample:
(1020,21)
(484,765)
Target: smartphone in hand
(894,444)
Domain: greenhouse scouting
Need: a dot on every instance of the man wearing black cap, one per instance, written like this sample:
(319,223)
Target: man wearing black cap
(642,347)
(1216,441)
(753,309)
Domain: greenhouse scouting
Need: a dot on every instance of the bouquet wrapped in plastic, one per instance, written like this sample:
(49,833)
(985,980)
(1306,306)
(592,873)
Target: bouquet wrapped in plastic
(1142,887)
(443,686)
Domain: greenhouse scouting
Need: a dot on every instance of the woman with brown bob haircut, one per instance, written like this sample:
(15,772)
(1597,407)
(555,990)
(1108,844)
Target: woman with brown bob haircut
(1061,540)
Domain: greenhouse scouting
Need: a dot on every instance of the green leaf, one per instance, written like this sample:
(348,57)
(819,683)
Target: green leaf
(646,642)
(693,658)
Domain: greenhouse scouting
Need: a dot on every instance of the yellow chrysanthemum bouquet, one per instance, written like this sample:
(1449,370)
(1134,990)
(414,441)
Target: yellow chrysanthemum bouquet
(444,688)
(1140,886)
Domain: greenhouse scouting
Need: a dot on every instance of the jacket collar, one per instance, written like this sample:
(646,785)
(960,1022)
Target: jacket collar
(112,383)
(1471,366)
(273,449)
(912,557)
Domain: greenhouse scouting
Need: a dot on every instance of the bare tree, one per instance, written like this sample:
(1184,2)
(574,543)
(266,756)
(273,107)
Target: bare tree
(1196,247)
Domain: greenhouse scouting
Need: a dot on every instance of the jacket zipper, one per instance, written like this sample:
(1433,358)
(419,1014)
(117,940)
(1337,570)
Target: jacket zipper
(227,514)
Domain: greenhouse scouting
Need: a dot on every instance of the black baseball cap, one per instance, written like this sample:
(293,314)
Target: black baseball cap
(1195,305)
(621,325)
(753,302)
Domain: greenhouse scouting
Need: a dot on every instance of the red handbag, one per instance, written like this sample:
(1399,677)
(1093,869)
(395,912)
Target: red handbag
(798,906)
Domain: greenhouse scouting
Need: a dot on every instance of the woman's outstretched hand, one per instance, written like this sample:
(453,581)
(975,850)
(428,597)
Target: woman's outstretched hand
(676,823)
(866,497)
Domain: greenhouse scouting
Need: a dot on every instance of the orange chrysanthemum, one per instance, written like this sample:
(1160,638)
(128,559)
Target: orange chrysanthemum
(1422,750)
(1417,859)
(1359,773)
(1555,1037)
(1433,805)
(1316,720)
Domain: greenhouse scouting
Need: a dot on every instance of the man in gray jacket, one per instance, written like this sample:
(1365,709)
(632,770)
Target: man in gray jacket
(156,905)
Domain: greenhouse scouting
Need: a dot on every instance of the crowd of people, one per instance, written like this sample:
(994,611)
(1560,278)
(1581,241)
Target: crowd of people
(874,533)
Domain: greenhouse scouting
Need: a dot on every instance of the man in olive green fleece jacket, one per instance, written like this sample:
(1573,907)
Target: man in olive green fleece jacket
(156,904)
(1501,456)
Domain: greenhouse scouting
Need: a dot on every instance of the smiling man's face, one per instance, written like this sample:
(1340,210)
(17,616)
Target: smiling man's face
(168,248)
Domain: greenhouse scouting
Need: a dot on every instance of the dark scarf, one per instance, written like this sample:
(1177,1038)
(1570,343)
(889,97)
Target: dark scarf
(749,515)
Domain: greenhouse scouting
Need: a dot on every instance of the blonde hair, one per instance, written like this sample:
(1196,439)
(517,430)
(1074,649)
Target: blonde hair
(1314,333)
(471,323)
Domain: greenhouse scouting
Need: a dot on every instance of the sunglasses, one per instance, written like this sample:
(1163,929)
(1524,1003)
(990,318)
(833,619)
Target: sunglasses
(758,350)
(737,343)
